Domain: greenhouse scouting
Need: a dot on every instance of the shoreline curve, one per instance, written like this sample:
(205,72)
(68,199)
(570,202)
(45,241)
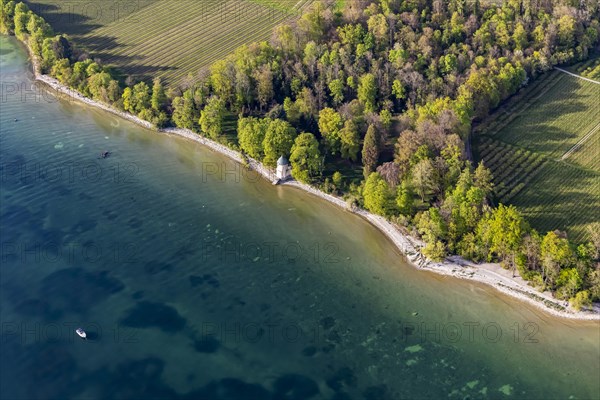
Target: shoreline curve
(489,274)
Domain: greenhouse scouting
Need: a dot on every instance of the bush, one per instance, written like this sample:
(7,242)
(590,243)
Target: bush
(435,251)
(580,300)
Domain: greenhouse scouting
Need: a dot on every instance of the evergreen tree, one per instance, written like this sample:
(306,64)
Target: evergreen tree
(370,152)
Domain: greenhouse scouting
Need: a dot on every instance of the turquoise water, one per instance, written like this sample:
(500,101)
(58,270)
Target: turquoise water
(197,280)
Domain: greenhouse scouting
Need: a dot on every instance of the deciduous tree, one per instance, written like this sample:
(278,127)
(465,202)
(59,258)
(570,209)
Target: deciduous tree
(211,117)
(278,142)
(306,159)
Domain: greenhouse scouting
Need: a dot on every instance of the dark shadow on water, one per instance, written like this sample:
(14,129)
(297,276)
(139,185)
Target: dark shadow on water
(37,308)
(136,379)
(294,387)
(206,344)
(92,336)
(343,377)
(84,225)
(184,252)
(376,393)
(328,322)
(15,215)
(41,370)
(148,314)
(309,351)
(208,279)
(135,223)
(77,290)
(230,389)
(341,396)
(111,215)
(155,267)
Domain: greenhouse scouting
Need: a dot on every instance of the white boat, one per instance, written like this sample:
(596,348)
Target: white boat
(81,333)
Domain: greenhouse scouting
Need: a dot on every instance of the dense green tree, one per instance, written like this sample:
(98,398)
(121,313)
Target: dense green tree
(405,199)
(465,205)
(292,111)
(556,253)
(423,177)
(330,124)
(7,21)
(135,99)
(222,80)
(98,86)
(62,47)
(350,141)
(569,282)
(531,250)
(370,151)
(306,159)
(185,113)
(159,97)
(336,90)
(312,24)
(62,71)
(433,229)
(377,195)
(212,116)
(38,30)
(594,283)
(251,135)
(367,92)
(141,93)
(338,180)
(501,231)
(520,37)
(278,142)
(264,78)
(580,300)
(21,18)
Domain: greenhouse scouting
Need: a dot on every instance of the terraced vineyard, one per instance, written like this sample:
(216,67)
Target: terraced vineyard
(513,167)
(543,148)
(555,116)
(165,38)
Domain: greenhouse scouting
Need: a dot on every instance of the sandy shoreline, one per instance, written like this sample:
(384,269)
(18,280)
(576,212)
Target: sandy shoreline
(490,274)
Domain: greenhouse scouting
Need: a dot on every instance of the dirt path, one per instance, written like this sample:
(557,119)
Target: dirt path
(581,142)
(576,76)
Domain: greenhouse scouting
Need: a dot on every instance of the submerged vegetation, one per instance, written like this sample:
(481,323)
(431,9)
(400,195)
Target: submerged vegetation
(375,100)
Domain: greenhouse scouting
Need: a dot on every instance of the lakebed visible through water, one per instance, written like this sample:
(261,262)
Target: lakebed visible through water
(197,279)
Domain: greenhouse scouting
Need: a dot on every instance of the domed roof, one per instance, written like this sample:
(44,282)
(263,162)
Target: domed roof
(282,161)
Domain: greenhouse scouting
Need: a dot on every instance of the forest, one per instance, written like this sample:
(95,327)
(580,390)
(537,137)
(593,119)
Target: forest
(374,101)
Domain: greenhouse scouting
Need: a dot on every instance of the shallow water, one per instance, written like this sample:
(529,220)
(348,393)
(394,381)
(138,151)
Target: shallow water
(196,279)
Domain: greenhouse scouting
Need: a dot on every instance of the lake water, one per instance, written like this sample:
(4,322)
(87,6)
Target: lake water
(197,280)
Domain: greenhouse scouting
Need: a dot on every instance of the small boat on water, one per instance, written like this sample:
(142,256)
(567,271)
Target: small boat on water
(81,333)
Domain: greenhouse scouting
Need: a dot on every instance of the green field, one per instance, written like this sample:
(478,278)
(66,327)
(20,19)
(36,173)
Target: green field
(166,38)
(543,147)
(589,69)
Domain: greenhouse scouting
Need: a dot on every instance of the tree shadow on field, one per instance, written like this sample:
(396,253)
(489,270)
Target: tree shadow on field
(561,197)
(101,49)
(533,129)
(66,18)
